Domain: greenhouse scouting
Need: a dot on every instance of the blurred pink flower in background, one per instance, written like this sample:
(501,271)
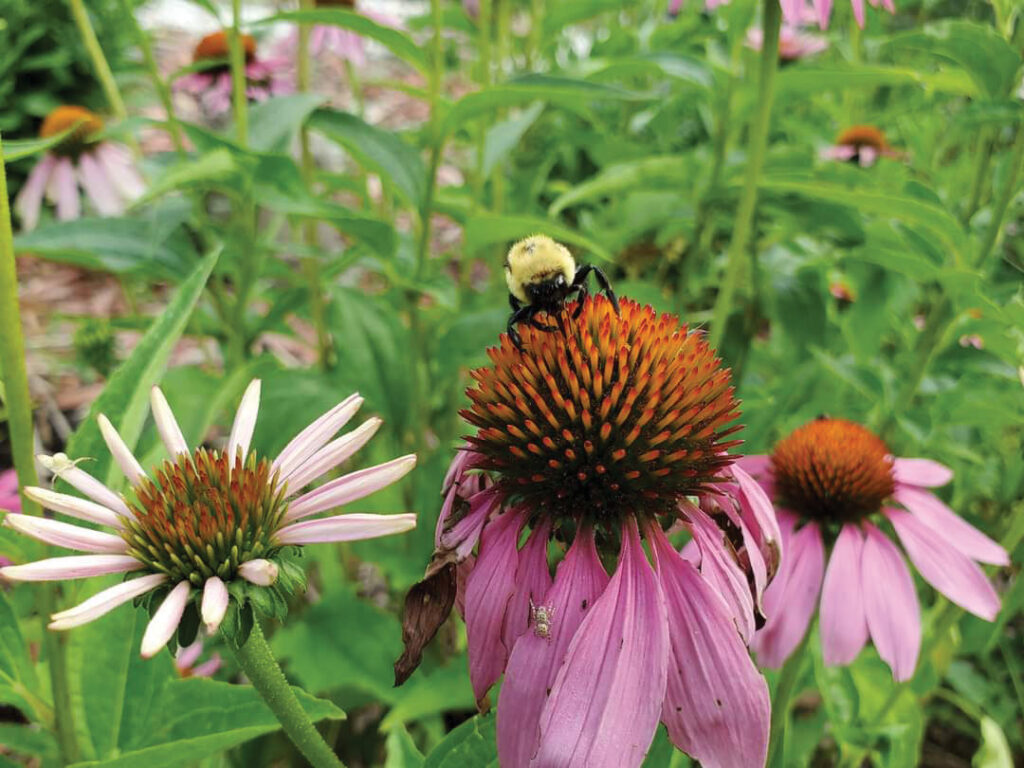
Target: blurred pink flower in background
(103,169)
(833,480)
(327,39)
(793,44)
(861,144)
(212,87)
(10,501)
(794,11)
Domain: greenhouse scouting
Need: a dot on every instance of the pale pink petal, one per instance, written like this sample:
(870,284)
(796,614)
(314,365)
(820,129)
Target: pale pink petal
(93,178)
(103,602)
(64,535)
(606,700)
(121,170)
(30,198)
(841,152)
(167,425)
(535,659)
(716,703)
(720,569)
(867,156)
(245,421)
(463,535)
(790,599)
(331,455)
(944,566)
(215,604)
(129,465)
(73,506)
(353,527)
(489,589)
(931,511)
(65,191)
(533,579)
(186,657)
(824,10)
(792,12)
(844,629)
(315,436)
(890,604)
(73,567)
(208,667)
(923,472)
(165,621)
(61,466)
(262,573)
(858,12)
(350,487)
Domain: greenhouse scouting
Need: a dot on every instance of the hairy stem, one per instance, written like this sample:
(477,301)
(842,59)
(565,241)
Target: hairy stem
(257,661)
(19,424)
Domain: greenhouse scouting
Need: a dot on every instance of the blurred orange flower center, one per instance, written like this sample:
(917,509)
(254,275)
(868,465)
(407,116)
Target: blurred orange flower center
(215,46)
(863,136)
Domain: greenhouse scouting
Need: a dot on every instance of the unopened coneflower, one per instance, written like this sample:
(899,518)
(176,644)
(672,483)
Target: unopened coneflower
(212,86)
(588,442)
(861,144)
(207,530)
(104,169)
(834,482)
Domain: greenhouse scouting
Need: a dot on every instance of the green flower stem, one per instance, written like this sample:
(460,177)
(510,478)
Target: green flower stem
(737,267)
(782,700)
(1003,201)
(257,661)
(19,423)
(238,83)
(99,60)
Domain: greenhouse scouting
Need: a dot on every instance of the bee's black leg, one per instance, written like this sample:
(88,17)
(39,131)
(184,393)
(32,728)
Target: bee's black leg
(602,280)
(581,297)
(521,314)
(515,303)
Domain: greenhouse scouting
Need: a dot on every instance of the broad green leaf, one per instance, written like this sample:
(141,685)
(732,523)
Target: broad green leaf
(488,230)
(560,15)
(274,123)
(17,675)
(994,751)
(402,752)
(660,64)
(654,170)
(196,717)
(394,40)
(432,692)
(377,150)
(991,62)
(125,399)
(805,80)
(502,138)
(28,740)
(214,168)
(471,744)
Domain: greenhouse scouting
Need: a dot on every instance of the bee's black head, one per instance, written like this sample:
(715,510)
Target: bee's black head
(549,292)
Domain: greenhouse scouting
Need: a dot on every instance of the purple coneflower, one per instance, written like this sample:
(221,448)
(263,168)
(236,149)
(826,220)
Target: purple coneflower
(330,39)
(104,170)
(861,144)
(212,87)
(204,518)
(592,441)
(10,501)
(834,480)
(793,43)
(794,11)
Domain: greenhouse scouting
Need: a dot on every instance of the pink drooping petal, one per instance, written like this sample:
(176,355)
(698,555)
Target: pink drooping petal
(720,569)
(64,535)
(758,513)
(536,659)
(73,567)
(332,455)
(352,527)
(121,170)
(129,465)
(824,11)
(945,567)
(930,510)
(463,535)
(65,190)
(262,573)
(844,629)
(165,621)
(186,657)
(315,436)
(890,604)
(103,602)
(489,589)
(840,152)
(533,579)
(215,603)
(98,187)
(245,422)
(858,12)
(462,571)
(350,487)
(167,425)
(606,700)
(792,12)
(463,461)
(716,703)
(923,472)
(208,667)
(61,466)
(867,156)
(73,506)
(790,600)
(30,198)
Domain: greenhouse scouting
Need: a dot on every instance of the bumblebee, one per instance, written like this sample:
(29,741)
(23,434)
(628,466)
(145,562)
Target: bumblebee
(542,275)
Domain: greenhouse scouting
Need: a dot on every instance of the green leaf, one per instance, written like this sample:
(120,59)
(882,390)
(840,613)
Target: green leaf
(991,62)
(994,751)
(27,740)
(17,675)
(838,77)
(402,752)
(274,123)
(505,136)
(399,43)
(471,744)
(488,229)
(217,167)
(441,689)
(657,169)
(125,399)
(194,718)
(565,12)
(16,149)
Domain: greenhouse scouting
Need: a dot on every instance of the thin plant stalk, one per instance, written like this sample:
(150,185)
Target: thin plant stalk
(1003,201)
(238,81)
(99,60)
(737,267)
(310,263)
(257,661)
(18,404)
(781,701)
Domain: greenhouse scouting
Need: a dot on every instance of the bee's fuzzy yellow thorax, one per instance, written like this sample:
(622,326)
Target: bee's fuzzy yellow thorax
(535,259)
